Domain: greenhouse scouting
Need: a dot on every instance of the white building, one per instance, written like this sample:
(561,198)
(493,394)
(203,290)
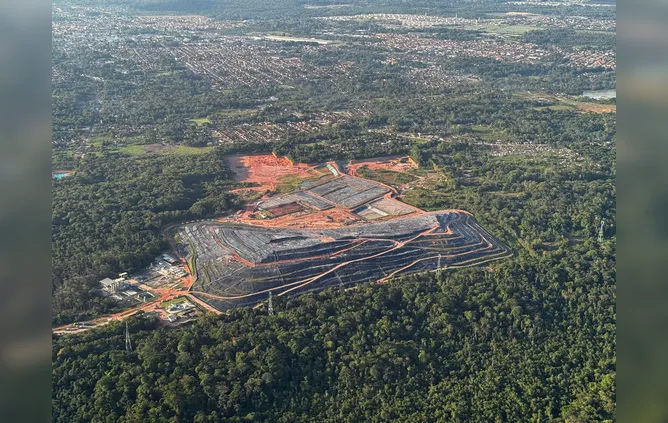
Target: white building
(165,269)
(177,271)
(180,307)
(111,286)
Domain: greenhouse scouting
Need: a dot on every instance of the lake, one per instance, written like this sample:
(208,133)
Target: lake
(602,94)
(60,175)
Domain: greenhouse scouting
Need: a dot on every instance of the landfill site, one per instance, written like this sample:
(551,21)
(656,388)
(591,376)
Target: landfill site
(368,236)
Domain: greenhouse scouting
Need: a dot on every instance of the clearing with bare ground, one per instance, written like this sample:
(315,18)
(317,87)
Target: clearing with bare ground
(399,164)
(337,230)
(333,230)
(267,170)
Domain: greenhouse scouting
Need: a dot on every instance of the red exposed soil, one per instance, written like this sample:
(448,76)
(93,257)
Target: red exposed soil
(598,108)
(265,170)
(285,209)
(396,164)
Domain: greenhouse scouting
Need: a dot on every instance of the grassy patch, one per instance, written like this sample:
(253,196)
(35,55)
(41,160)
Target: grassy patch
(433,193)
(567,103)
(419,172)
(587,106)
(98,140)
(184,150)
(430,199)
(249,196)
(132,149)
(555,108)
(290,183)
(201,121)
(414,138)
(502,29)
(385,176)
(179,150)
(481,128)
(177,300)
(488,133)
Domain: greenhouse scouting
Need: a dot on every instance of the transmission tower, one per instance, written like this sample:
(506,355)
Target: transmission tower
(128,344)
(271,304)
(600,232)
(439,261)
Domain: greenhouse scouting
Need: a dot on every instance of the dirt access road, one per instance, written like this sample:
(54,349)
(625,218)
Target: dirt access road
(161,295)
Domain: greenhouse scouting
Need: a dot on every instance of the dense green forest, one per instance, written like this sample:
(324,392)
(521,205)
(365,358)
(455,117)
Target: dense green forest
(528,340)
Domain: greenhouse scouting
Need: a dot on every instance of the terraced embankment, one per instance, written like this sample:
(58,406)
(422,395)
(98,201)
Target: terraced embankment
(239,264)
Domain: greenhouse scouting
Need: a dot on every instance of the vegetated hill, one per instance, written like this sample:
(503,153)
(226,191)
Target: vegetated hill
(530,340)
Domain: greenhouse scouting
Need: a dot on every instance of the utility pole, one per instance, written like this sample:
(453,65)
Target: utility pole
(128,344)
(600,232)
(271,304)
(341,287)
